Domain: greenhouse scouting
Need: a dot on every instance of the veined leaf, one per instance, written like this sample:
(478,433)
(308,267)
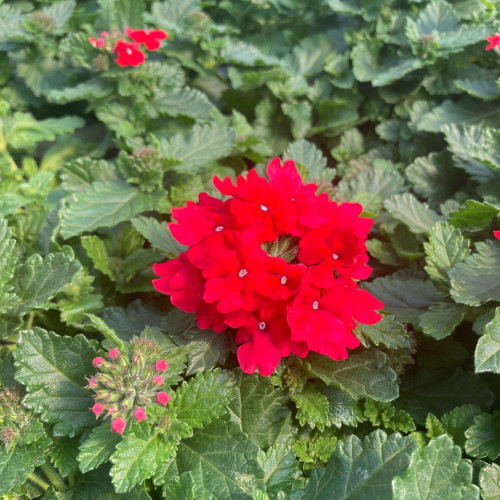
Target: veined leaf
(487,355)
(483,438)
(7,262)
(361,470)
(489,480)
(98,447)
(474,215)
(306,153)
(437,473)
(458,420)
(441,319)
(105,204)
(388,331)
(53,369)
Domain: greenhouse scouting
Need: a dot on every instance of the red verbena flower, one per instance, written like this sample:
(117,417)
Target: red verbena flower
(494,42)
(150,38)
(496,234)
(140,414)
(158,380)
(118,425)
(128,54)
(97,361)
(161,366)
(114,353)
(162,398)
(277,263)
(97,409)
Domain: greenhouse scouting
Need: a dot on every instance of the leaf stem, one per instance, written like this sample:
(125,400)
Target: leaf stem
(38,481)
(54,477)
(31,317)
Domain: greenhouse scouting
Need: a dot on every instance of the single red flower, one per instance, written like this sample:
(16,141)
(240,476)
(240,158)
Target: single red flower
(118,425)
(162,398)
(128,54)
(161,366)
(150,38)
(97,361)
(494,42)
(114,353)
(158,380)
(92,382)
(97,409)
(497,234)
(140,414)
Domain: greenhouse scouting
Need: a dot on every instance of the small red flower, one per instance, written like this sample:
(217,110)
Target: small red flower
(92,382)
(162,398)
(161,365)
(97,409)
(128,54)
(118,425)
(97,361)
(497,234)
(494,42)
(114,353)
(150,38)
(140,414)
(158,380)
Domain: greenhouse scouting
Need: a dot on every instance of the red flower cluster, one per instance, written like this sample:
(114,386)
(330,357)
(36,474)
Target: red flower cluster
(276,262)
(494,42)
(129,53)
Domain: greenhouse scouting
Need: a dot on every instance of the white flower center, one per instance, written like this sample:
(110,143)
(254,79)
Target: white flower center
(262,325)
(129,51)
(242,273)
(335,256)
(283,280)
(218,229)
(315,305)
(264,208)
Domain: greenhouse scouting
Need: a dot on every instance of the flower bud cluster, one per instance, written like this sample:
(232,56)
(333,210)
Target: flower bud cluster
(127,382)
(12,415)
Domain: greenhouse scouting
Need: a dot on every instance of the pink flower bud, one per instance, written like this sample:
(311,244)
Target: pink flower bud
(114,353)
(104,34)
(100,43)
(162,398)
(92,41)
(158,380)
(92,382)
(140,414)
(161,366)
(118,425)
(97,409)
(97,361)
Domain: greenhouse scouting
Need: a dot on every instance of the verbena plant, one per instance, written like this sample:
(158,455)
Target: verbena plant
(388,103)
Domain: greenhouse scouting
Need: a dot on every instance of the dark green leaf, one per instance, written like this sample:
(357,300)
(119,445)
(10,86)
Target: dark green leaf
(483,438)
(487,355)
(98,447)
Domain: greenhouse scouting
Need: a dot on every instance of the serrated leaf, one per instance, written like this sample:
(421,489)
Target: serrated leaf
(7,262)
(476,280)
(203,398)
(487,355)
(195,149)
(425,392)
(441,319)
(483,87)
(63,453)
(489,480)
(97,448)
(96,250)
(105,204)
(260,411)
(137,458)
(446,248)
(81,173)
(185,102)
(388,331)
(129,13)
(18,462)
(312,407)
(483,438)
(474,215)
(222,460)
(53,369)
(211,349)
(437,473)
(306,153)
(343,409)
(406,299)
(158,234)
(361,469)
(418,216)
(362,374)
(96,88)
(458,420)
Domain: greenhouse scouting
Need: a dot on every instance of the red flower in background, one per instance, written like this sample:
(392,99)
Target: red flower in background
(128,54)
(276,262)
(494,42)
(497,234)
(150,38)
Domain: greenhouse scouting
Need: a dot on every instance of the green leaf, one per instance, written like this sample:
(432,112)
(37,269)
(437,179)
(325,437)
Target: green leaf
(406,299)
(312,407)
(96,250)
(212,349)
(487,355)
(419,217)
(476,280)
(483,87)
(362,374)
(63,453)
(185,102)
(79,174)
(53,369)
(18,462)
(465,111)
(7,264)
(93,88)
(260,411)
(489,480)
(137,458)
(442,319)
(280,468)
(195,149)
(306,153)
(158,234)
(458,420)
(388,331)
(437,473)
(98,447)
(483,438)
(439,391)
(129,13)
(446,248)
(474,215)
(343,409)
(361,469)
(203,398)
(105,204)
(222,461)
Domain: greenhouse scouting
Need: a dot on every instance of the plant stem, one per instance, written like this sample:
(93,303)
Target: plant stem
(53,477)
(31,317)
(38,481)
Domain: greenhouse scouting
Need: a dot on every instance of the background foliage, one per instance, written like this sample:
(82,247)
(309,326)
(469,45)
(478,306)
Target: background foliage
(391,103)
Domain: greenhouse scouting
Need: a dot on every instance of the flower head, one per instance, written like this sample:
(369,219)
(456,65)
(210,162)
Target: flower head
(98,361)
(118,425)
(494,42)
(128,54)
(150,38)
(496,234)
(158,380)
(162,398)
(114,353)
(161,366)
(98,409)
(140,414)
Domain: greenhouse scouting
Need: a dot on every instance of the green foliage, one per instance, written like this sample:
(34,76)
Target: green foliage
(487,355)
(483,438)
